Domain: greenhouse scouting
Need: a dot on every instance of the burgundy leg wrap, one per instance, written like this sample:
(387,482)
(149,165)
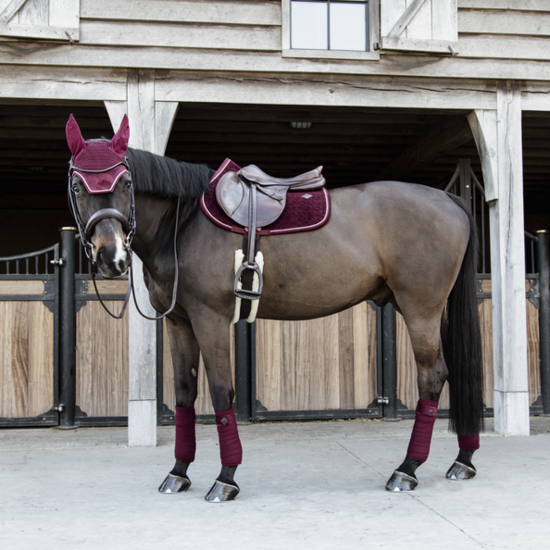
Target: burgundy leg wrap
(185,434)
(231,451)
(468,442)
(419,445)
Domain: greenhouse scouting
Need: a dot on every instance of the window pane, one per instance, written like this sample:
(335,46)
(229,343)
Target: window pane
(348,27)
(309,25)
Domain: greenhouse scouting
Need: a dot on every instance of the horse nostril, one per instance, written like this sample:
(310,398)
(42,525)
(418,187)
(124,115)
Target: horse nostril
(100,253)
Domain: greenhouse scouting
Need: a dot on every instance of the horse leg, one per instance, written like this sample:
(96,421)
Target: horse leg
(432,374)
(463,468)
(213,336)
(185,357)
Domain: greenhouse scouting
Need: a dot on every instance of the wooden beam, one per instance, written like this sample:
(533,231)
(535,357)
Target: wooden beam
(437,143)
(11,9)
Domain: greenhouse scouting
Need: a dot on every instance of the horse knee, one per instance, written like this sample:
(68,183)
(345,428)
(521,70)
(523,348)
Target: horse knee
(222,397)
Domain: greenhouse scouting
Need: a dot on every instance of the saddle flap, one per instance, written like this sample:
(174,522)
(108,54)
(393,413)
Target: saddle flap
(233,196)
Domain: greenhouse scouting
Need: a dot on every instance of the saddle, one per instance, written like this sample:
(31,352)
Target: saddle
(254,199)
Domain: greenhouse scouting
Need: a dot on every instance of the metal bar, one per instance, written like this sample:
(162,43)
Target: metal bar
(67,329)
(242,371)
(544,316)
(390,362)
(454,177)
(466,182)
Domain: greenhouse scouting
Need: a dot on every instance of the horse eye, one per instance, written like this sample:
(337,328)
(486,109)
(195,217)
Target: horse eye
(76,189)
(129,184)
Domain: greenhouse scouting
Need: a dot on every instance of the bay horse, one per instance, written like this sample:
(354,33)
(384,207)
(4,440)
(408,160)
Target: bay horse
(391,242)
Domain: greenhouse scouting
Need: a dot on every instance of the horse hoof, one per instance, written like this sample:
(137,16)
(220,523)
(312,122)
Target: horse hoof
(174,484)
(459,472)
(400,482)
(222,492)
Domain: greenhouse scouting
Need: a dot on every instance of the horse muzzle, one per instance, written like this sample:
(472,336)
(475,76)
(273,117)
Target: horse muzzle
(110,252)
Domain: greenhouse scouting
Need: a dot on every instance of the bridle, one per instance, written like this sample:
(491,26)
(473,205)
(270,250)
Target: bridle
(128,224)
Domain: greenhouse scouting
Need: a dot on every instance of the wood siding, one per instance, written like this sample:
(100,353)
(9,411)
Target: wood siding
(497,39)
(327,363)
(101,361)
(26,358)
(407,390)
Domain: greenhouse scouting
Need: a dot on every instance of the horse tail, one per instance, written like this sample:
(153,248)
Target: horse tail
(461,338)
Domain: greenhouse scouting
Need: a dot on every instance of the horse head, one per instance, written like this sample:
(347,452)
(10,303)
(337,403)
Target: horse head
(101,197)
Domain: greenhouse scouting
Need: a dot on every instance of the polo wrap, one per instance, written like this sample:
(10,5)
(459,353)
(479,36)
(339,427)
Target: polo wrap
(185,434)
(231,451)
(419,445)
(468,442)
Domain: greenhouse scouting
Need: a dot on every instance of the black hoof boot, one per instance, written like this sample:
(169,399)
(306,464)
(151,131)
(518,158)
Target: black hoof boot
(400,482)
(174,484)
(222,492)
(462,468)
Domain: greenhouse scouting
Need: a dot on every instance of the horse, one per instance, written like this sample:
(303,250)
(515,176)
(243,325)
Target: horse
(406,244)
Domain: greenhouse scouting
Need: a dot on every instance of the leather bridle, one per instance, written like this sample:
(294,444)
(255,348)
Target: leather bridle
(129,225)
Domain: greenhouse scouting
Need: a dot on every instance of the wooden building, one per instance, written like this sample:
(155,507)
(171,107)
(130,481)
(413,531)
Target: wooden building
(409,89)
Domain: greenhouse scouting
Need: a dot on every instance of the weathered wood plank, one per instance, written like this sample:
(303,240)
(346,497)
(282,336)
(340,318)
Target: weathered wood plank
(40,352)
(347,359)
(65,13)
(102,361)
(332,90)
(524,5)
(444,67)
(486,323)
(503,22)
(18,288)
(108,287)
(533,352)
(230,37)
(44,32)
(218,13)
(364,382)
(504,46)
(407,387)
(10,10)
(34,12)
(57,82)
(329,396)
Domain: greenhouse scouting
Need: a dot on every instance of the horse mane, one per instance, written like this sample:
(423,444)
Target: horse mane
(167,177)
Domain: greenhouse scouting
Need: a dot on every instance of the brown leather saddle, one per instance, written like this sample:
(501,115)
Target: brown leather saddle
(254,199)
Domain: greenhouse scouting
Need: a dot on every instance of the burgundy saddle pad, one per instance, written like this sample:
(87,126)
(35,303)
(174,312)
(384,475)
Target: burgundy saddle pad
(305,211)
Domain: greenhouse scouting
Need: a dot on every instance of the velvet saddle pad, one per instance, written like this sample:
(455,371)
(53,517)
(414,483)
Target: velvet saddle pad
(304,211)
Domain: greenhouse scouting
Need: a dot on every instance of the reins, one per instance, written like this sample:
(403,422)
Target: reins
(129,225)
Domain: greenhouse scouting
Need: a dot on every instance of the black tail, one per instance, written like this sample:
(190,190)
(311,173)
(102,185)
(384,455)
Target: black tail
(461,337)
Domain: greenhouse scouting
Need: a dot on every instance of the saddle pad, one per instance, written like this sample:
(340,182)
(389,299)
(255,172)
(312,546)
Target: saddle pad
(305,211)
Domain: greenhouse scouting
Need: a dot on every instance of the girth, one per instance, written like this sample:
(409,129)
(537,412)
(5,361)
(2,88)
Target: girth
(253,199)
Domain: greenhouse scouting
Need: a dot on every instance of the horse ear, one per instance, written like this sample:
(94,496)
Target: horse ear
(75,141)
(119,143)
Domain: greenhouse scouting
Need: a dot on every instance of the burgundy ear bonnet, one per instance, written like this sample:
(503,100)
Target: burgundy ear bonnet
(98,163)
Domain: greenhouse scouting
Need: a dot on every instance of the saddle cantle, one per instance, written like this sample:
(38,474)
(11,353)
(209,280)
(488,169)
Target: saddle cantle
(234,190)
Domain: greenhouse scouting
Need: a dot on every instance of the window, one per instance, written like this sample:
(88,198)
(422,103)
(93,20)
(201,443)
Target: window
(329,25)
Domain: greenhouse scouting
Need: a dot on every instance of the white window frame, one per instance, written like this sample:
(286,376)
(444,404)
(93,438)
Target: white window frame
(374,38)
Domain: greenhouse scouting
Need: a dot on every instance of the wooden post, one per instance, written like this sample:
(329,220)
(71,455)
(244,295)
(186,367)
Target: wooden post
(498,138)
(150,125)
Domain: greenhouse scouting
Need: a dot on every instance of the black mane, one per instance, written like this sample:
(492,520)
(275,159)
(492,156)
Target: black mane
(167,177)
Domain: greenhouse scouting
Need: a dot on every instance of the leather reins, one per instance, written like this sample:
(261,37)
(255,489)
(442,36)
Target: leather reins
(129,226)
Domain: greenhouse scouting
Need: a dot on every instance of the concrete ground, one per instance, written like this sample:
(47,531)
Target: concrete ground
(317,485)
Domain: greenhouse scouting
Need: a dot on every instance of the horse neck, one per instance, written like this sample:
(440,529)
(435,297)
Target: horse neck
(155,219)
